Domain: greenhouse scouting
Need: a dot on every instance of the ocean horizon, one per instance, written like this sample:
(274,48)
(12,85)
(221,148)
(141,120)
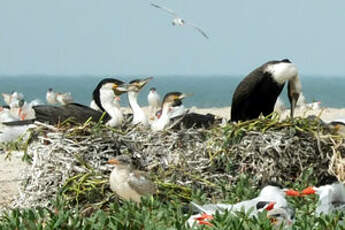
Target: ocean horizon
(207,91)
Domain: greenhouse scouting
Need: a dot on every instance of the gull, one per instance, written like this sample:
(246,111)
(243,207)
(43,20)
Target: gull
(177,21)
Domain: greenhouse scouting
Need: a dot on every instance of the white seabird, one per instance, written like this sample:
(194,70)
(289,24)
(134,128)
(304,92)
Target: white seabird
(331,197)
(154,100)
(270,197)
(179,21)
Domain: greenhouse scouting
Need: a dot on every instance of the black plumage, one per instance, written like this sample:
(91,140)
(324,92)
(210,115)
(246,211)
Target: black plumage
(257,93)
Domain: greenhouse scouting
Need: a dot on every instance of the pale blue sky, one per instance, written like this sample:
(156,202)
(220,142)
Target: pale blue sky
(98,37)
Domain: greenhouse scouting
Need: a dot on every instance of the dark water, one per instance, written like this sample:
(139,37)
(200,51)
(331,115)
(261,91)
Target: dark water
(212,91)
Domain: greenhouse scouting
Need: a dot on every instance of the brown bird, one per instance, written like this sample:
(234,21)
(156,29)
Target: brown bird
(128,183)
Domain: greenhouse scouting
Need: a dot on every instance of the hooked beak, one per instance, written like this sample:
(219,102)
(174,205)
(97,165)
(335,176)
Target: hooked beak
(184,95)
(308,191)
(293,94)
(120,89)
(145,81)
(113,162)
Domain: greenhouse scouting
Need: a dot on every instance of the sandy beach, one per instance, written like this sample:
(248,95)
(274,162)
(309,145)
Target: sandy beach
(10,169)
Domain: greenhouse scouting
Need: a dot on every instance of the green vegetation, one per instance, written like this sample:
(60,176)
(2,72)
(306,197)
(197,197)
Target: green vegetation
(225,165)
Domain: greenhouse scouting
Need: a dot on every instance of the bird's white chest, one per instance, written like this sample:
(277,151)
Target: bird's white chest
(51,98)
(153,99)
(119,184)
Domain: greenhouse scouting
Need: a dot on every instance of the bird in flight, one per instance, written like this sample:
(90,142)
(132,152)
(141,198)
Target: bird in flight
(177,21)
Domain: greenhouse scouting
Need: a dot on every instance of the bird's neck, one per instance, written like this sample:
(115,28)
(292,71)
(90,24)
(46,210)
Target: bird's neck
(107,98)
(139,115)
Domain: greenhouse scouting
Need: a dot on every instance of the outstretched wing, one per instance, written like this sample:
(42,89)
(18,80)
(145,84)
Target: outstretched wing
(169,11)
(198,29)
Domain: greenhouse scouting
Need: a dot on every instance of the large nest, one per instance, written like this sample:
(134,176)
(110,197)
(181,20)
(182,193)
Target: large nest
(73,161)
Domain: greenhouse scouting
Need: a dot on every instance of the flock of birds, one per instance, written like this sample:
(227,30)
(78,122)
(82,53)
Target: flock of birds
(256,94)
(131,184)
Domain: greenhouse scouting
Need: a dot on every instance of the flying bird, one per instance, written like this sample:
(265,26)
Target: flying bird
(177,21)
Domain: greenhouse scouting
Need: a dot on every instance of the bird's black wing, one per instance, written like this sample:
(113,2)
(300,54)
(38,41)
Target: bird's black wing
(244,92)
(73,112)
(195,120)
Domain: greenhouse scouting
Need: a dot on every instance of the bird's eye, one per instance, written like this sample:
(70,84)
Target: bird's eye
(276,215)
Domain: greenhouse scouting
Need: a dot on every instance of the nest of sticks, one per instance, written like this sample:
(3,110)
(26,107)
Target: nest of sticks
(72,161)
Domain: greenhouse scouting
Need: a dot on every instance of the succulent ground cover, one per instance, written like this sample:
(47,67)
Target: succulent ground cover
(67,187)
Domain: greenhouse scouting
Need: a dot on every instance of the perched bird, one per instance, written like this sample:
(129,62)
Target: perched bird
(179,21)
(139,116)
(170,100)
(257,92)
(174,114)
(104,95)
(128,183)
(270,197)
(153,99)
(331,197)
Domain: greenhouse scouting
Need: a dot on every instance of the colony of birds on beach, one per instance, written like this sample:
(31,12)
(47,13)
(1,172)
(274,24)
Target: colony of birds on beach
(255,95)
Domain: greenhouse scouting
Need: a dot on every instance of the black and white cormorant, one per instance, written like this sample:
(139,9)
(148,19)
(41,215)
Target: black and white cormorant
(134,87)
(257,92)
(104,96)
(186,120)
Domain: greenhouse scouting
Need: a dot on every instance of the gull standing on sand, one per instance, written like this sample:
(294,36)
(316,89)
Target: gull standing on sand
(177,21)
(128,183)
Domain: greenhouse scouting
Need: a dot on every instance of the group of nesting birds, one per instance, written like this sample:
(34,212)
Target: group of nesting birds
(256,94)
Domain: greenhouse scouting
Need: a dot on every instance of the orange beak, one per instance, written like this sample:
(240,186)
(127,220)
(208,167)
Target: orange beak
(113,161)
(202,220)
(270,206)
(292,192)
(308,191)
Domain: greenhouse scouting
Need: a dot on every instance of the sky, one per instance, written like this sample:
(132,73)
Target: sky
(130,37)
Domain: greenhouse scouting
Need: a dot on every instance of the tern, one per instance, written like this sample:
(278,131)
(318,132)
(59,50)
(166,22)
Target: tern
(128,183)
(177,21)
(331,197)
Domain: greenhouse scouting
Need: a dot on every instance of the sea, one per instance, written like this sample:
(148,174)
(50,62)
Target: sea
(207,91)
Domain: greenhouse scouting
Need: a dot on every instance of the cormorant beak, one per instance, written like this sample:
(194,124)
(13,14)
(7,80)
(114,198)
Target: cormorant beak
(113,162)
(293,97)
(120,89)
(308,191)
(143,82)
(184,95)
